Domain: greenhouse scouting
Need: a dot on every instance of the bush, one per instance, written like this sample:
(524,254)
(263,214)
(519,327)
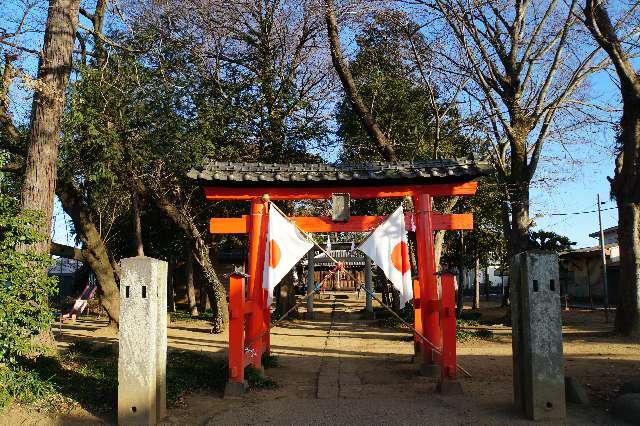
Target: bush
(25,287)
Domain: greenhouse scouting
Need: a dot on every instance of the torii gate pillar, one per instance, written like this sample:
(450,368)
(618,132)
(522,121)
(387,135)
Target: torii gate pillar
(429,300)
(259,317)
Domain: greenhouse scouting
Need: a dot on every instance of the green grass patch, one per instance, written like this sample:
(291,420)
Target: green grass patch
(185,316)
(270,361)
(463,334)
(257,381)
(87,375)
(192,371)
(59,384)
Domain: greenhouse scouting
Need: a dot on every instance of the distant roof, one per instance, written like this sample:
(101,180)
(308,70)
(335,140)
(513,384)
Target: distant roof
(429,171)
(586,251)
(605,231)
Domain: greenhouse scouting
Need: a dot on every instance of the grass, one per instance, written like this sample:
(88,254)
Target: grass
(186,316)
(464,335)
(270,361)
(192,371)
(257,381)
(87,375)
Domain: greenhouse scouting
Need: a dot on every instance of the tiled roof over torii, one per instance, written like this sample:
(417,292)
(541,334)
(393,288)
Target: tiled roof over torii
(374,173)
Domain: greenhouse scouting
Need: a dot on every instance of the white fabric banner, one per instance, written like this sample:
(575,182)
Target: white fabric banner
(285,247)
(387,247)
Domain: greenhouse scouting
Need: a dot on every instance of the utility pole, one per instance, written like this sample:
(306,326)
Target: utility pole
(604,264)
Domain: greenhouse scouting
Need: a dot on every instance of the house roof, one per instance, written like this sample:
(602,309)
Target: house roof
(604,231)
(586,251)
(429,171)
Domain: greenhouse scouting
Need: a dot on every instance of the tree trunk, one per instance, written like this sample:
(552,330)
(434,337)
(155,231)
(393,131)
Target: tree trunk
(506,228)
(627,320)
(519,238)
(214,288)
(137,225)
(487,284)
(95,252)
(476,285)
(626,188)
(191,290)
(48,102)
(463,277)
(286,294)
(171,292)
(349,85)
(205,305)
(461,286)
(625,184)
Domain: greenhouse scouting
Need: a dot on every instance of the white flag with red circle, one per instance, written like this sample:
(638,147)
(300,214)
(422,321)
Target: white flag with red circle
(285,247)
(387,247)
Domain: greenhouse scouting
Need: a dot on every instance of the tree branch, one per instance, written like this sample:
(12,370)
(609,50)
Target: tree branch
(373,129)
(68,252)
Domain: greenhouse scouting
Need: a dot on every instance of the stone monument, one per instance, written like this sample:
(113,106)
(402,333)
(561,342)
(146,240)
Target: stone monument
(142,356)
(538,363)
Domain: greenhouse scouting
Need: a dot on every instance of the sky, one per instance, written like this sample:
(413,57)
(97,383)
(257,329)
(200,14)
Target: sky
(574,174)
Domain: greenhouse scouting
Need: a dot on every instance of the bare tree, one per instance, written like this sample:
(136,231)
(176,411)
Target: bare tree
(625,185)
(524,66)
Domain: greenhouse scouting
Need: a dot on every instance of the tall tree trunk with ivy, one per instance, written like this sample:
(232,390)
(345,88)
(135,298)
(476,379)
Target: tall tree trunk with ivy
(625,184)
(39,185)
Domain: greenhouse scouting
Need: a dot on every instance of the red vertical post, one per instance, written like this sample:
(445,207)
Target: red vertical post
(266,313)
(448,383)
(429,303)
(236,328)
(448,324)
(417,317)
(255,267)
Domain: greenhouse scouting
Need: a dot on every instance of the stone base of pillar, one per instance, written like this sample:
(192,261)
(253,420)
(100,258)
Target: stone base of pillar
(449,387)
(369,315)
(235,390)
(309,315)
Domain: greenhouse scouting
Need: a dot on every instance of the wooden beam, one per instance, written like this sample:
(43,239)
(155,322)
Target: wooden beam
(324,192)
(447,222)
(228,225)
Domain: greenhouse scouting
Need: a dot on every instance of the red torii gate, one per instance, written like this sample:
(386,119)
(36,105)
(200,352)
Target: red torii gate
(259,183)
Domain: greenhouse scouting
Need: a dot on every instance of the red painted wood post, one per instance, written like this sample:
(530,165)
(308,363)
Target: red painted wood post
(417,317)
(236,328)
(429,303)
(448,324)
(266,313)
(255,266)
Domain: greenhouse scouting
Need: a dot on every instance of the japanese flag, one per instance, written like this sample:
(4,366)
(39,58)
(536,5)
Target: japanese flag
(285,247)
(387,247)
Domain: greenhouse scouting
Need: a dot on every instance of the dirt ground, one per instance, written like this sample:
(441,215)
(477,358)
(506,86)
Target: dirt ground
(340,369)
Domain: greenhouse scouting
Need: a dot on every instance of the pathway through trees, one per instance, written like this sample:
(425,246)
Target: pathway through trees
(340,369)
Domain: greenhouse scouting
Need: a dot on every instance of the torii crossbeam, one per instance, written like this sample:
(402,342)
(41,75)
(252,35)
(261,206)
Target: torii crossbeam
(259,183)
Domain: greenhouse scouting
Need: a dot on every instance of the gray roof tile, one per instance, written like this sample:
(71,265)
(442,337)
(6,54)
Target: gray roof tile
(429,171)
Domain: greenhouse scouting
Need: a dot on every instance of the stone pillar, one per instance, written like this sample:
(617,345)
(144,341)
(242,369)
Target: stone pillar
(538,363)
(368,285)
(142,355)
(310,283)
